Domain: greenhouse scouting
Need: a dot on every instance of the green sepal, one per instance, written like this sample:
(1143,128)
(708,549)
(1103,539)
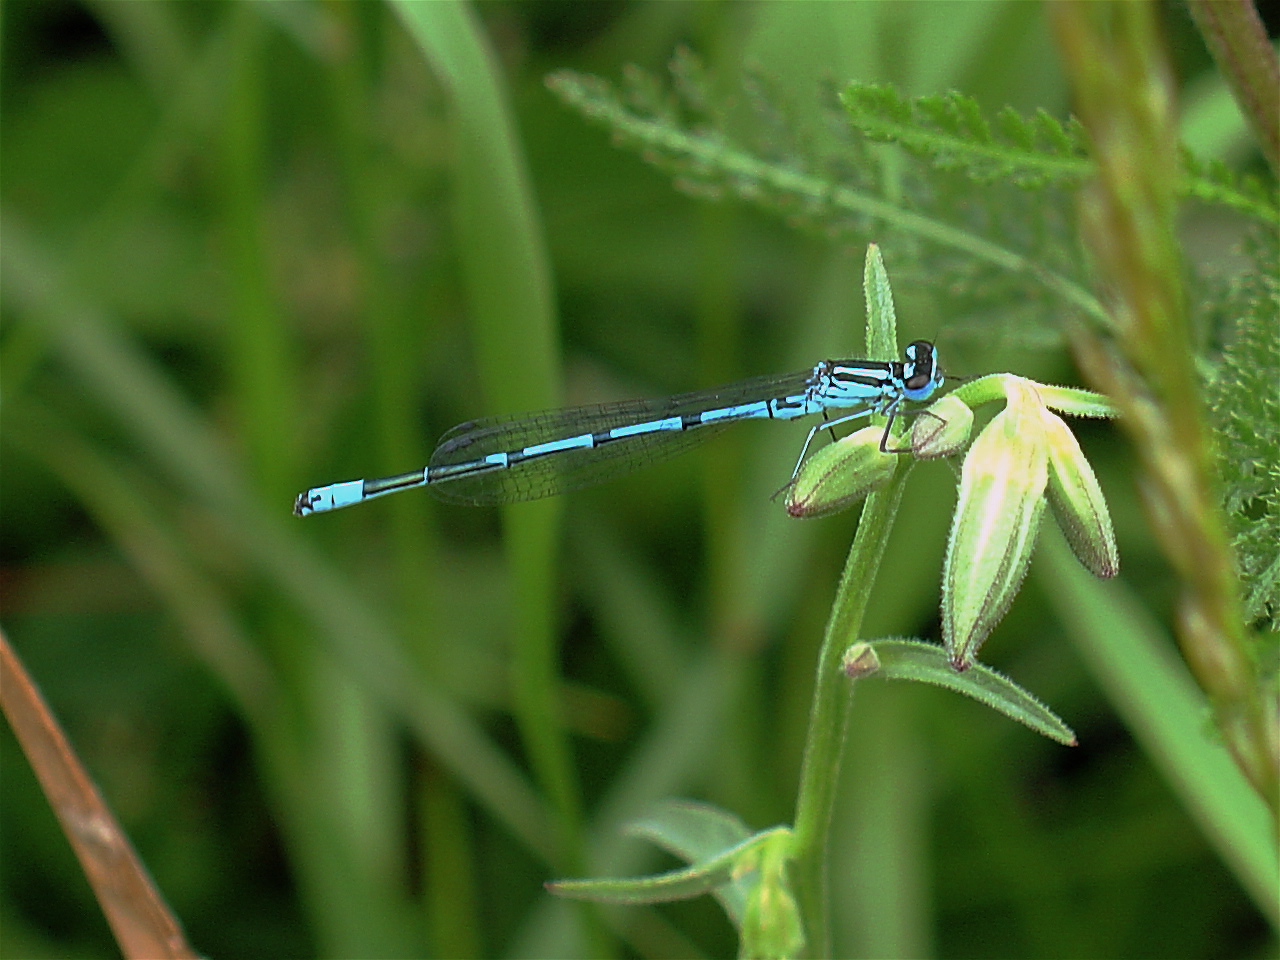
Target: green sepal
(1077,502)
(1076,402)
(1002,487)
(841,474)
(1069,400)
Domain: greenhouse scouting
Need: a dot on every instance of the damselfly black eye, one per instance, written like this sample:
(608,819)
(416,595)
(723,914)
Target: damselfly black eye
(920,350)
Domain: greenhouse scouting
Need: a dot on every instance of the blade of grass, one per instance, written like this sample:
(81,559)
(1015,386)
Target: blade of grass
(352,798)
(349,914)
(124,506)
(513,321)
(149,408)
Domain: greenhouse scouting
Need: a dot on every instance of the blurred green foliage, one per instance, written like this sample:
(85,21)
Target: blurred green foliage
(238,262)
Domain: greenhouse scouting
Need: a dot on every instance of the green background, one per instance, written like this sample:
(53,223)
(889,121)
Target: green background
(252,248)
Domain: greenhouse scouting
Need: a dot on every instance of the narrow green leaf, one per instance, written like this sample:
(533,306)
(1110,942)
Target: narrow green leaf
(511,309)
(882,323)
(692,831)
(926,663)
(683,884)
(697,832)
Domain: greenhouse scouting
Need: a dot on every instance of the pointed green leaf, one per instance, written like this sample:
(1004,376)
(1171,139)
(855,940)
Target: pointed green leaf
(698,831)
(927,663)
(691,830)
(882,323)
(683,884)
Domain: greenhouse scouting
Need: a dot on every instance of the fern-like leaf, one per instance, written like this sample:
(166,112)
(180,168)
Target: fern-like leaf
(827,179)
(951,132)
(1214,182)
(1244,403)
(1009,245)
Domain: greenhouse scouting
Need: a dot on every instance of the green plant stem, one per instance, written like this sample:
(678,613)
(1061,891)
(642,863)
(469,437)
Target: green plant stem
(828,719)
(1236,37)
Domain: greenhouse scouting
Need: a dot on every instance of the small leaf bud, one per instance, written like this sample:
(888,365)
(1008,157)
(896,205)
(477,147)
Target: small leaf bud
(942,429)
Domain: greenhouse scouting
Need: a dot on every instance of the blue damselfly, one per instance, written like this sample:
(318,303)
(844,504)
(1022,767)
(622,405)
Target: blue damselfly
(529,456)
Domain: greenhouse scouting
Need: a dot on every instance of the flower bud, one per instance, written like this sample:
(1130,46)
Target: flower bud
(841,474)
(1076,499)
(942,429)
(1002,485)
(860,660)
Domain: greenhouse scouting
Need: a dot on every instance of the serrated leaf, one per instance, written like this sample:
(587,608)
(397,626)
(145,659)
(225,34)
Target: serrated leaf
(1213,181)
(824,179)
(1014,128)
(1062,138)
(952,132)
(1244,405)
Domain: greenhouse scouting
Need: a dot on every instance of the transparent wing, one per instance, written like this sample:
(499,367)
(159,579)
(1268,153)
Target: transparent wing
(573,469)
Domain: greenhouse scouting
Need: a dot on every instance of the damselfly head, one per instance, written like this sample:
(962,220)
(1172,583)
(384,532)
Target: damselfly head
(921,374)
